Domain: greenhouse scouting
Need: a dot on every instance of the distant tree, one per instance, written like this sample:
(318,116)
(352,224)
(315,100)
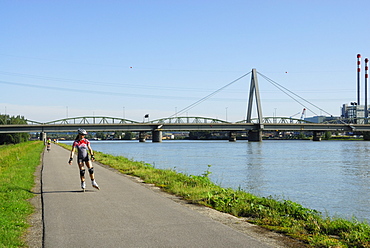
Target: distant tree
(13,138)
(366,135)
(128,136)
(327,135)
(301,135)
(200,135)
(117,135)
(100,135)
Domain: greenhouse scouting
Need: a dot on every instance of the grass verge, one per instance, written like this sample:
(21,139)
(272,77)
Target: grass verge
(281,216)
(17,167)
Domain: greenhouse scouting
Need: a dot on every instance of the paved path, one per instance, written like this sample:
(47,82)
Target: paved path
(123,213)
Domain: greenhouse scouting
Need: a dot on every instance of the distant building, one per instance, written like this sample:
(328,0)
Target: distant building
(351,113)
(354,112)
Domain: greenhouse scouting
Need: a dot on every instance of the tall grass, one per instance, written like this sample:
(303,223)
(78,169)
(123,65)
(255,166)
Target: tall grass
(282,216)
(17,167)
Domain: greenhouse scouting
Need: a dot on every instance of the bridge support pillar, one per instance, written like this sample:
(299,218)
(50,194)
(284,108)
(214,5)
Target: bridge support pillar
(43,137)
(255,135)
(232,136)
(156,136)
(142,136)
(316,136)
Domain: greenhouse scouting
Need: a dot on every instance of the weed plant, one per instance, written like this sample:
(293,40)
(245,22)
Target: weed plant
(17,167)
(282,216)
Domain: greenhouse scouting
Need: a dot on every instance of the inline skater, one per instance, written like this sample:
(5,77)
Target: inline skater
(48,144)
(83,146)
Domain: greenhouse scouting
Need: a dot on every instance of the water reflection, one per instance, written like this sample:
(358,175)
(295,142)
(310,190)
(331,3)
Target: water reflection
(255,171)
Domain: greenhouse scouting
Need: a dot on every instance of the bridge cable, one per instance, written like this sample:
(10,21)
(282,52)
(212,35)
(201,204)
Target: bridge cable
(208,96)
(282,88)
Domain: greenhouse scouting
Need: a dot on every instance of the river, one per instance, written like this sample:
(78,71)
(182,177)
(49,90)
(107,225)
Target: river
(332,177)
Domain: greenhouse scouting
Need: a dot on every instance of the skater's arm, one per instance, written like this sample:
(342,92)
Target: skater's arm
(71,156)
(91,152)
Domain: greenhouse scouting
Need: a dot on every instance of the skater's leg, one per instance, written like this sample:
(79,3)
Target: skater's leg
(90,169)
(82,175)
(92,175)
(82,171)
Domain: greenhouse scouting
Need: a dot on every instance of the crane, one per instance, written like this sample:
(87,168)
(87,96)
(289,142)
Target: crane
(303,112)
(302,115)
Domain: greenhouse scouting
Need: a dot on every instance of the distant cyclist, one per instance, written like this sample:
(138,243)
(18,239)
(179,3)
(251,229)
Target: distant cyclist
(83,145)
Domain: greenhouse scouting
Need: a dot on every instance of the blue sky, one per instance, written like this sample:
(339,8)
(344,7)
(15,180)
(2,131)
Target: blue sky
(131,58)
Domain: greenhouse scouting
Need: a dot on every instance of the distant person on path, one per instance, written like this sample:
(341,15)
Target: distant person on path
(48,144)
(82,146)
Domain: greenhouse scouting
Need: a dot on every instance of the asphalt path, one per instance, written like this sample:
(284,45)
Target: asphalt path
(123,213)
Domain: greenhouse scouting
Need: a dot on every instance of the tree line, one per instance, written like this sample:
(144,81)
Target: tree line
(13,138)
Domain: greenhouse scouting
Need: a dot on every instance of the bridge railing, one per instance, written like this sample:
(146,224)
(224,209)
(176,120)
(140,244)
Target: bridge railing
(187,120)
(86,120)
(277,120)
(30,122)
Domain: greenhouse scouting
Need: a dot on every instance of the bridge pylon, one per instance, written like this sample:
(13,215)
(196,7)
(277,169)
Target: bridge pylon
(254,90)
(254,135)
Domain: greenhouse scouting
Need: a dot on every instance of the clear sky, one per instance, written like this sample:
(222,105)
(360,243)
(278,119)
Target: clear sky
(70,58)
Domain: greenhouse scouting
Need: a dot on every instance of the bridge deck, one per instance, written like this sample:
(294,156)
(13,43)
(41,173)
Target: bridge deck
(147,127)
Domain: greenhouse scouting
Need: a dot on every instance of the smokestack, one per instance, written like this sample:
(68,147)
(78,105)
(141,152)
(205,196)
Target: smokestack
(366,77)
(358,77)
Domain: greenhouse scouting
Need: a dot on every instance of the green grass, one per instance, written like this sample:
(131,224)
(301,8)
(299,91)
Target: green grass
(17,167)
(281,216)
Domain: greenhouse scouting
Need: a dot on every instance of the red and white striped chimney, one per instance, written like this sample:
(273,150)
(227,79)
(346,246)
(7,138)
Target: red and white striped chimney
(358,77)
(366,68)
(366,77)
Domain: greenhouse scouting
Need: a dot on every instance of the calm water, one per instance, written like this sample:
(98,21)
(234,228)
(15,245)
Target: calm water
(330,176)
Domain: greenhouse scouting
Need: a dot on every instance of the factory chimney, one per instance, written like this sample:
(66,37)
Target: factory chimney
(366,77)
(358,78)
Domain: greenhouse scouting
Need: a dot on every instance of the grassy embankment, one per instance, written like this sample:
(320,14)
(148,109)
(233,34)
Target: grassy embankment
(282,216)
(17,167)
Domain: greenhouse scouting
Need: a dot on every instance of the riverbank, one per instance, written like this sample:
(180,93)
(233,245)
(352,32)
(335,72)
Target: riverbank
(281,216)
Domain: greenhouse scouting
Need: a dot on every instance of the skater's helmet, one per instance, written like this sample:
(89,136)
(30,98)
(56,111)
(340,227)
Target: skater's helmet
(82,131)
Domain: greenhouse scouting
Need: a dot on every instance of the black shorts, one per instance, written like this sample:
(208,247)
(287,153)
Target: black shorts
(85,159)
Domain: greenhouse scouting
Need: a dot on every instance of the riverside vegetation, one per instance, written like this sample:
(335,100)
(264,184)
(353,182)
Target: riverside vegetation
(17,166)
(13,138)
(282,216)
